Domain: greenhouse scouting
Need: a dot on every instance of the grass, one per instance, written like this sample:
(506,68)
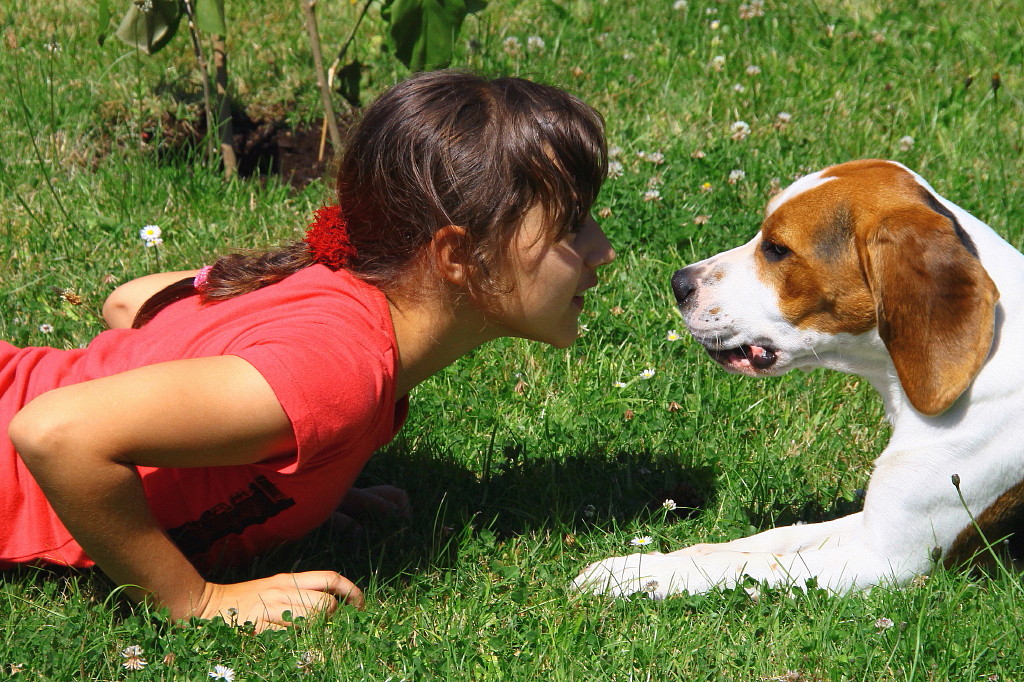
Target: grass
(516,490)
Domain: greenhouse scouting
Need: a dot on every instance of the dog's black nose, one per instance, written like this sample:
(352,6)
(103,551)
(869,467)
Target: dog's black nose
(684,281)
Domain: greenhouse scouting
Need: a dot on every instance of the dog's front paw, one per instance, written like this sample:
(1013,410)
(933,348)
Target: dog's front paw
(654,575)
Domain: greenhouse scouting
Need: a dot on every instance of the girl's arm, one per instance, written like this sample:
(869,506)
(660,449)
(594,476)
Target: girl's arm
(81,443)
(124,302)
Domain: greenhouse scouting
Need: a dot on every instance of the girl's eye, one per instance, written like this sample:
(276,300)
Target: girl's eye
(773,252)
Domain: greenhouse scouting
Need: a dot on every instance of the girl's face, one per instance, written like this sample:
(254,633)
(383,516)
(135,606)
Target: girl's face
(549,280)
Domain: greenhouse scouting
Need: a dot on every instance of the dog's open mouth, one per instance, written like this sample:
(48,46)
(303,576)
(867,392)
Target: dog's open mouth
(745,358)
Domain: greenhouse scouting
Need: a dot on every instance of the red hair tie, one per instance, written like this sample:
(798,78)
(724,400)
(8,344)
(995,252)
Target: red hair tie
(328,239)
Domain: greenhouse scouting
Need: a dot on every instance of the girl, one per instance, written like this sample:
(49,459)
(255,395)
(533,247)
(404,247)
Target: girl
(238,411)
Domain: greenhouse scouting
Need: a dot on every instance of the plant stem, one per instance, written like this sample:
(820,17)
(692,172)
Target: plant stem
(204,74)
(225,124)
(309,9)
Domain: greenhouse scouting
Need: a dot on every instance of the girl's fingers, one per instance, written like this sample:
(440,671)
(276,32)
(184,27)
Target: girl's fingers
(328,582)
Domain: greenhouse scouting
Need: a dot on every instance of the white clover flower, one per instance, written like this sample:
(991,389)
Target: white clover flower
(669,505)
(739,130)
(615,152)
(619,384)
(657,158)
(679,5)
(740,88)
(647,373)
(672,335)
(784,117)
(46,328)
(134,663)
(512,45)
(883,623)
(735,176)
(718,62)
(222,672)
(906,143)
(133,650)
(615,169)
(535,43)
(641,541)
(53,47)
(753,70)
(627,56)
(652,195)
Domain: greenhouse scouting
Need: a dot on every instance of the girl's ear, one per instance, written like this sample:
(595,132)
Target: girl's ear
(449,254)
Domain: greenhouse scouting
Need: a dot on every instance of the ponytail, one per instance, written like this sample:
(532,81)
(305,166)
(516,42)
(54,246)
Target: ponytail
(230,276)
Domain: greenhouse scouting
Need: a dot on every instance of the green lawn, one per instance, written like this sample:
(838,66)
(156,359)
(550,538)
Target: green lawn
(526,463)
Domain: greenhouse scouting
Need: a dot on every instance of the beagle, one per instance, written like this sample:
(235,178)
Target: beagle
(863,268)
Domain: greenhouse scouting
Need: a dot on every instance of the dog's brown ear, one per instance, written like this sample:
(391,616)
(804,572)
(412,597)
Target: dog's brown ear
(934,301)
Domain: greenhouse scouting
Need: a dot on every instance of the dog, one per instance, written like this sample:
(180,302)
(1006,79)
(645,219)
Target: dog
(864,268)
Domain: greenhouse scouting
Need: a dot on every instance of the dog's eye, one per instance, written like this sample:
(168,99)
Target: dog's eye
(773,252)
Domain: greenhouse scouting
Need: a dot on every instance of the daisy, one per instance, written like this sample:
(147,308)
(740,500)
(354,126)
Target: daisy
(222,672)
(641,541)
(150,243)
(46,328)
(149,233)
(619,384)
(715,24)
(672,335)
(647,373)
(706,187)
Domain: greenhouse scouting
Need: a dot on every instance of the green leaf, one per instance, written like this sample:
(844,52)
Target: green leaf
(102,19)
(150,31)
(210,17)
(422,32)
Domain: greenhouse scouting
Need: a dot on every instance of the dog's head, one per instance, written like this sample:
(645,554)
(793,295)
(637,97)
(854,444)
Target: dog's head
(851,263)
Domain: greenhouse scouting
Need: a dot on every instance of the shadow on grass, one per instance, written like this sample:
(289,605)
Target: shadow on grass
(520,495)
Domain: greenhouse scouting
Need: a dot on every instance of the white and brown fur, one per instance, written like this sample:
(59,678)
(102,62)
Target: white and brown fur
(864,268)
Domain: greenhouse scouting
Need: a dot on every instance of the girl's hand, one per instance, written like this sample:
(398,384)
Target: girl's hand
(263,602)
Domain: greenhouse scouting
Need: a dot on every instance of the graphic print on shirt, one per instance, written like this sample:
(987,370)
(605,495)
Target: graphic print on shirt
(254,504)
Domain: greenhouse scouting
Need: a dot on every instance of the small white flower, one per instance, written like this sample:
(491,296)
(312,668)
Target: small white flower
(753,70)
(784,117)
(669,504)
(652,195)
(715,24)
(619,384)
(615,169)
(134,663)
(54,47)
(512,45)
(718,62)
(739,130)
(672,335)
(883,623)
(657,158)
(627,56)
(535,43)
(647,373)
(740,88)
(615,152)
(906,143)
(150,243)
(133,650)
(222,672)
(735,176)
(650,586)
(584,328)
(679,5)
(150,232)
(641,541)
(46,328)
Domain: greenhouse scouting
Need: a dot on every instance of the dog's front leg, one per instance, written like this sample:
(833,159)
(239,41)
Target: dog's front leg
(786,539)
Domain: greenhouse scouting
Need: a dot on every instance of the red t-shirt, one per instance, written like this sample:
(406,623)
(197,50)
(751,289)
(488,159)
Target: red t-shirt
(324,342)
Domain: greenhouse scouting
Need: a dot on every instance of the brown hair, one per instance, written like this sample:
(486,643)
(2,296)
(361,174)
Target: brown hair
(443,148)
